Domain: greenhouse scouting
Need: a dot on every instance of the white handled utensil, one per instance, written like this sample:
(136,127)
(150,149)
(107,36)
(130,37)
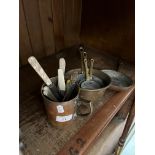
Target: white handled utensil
(47,92)
(37,67)
(61,81)
(62,64)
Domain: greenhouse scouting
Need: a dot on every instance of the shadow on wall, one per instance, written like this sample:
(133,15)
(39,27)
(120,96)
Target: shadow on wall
(110,26)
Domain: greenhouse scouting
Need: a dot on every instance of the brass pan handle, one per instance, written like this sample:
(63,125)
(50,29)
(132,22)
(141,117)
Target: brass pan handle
(91,69)
(86,69)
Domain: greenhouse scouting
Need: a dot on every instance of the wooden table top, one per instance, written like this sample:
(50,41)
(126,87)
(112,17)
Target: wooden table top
(39,137)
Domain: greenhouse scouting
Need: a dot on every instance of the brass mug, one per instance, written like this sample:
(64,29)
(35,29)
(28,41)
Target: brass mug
(63,113)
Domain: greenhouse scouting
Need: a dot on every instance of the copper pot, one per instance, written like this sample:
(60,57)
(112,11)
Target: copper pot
(92,94)
(63,113)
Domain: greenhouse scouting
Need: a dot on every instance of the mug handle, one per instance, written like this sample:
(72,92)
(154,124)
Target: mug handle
(85,103)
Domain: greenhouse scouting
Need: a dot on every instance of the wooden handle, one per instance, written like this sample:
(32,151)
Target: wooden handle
(85,137)
(37,67)
(86,69)
(91,68)
(81,49)
(61,80)
(62,64)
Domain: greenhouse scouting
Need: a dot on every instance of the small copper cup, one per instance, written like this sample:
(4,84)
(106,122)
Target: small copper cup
(63,113)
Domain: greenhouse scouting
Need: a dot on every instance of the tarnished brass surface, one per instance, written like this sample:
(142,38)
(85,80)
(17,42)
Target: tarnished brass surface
(71,107)
(52,111)
(118,151)
(119,81)
(93,94)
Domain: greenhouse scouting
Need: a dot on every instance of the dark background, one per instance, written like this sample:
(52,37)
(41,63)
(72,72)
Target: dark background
(48,26)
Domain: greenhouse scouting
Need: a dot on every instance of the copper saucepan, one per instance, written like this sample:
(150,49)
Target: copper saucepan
(91,94)
(63,113)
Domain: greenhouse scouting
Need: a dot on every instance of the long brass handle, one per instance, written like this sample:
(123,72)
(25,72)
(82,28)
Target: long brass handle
(82,63)
(86,69)
(85,55)
(91,68)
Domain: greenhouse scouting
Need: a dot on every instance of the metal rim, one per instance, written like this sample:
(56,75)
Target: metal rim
(93,90)
(56,102)
(120,74)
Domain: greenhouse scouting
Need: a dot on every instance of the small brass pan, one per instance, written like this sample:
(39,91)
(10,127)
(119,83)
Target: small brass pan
(92,94)
(119,81)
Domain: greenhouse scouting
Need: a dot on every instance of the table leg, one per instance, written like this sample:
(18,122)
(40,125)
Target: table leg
(126,130)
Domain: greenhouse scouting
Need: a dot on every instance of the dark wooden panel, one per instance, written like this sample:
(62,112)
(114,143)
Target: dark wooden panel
(45,7)
(77,7)
(72,13)
(50,26)
(68,22)
(58,23)
(109,26)
(25,49)
(31,8)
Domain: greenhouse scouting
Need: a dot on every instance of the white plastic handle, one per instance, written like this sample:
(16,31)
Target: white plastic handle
(37,67)
(62,64)
(61,80)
